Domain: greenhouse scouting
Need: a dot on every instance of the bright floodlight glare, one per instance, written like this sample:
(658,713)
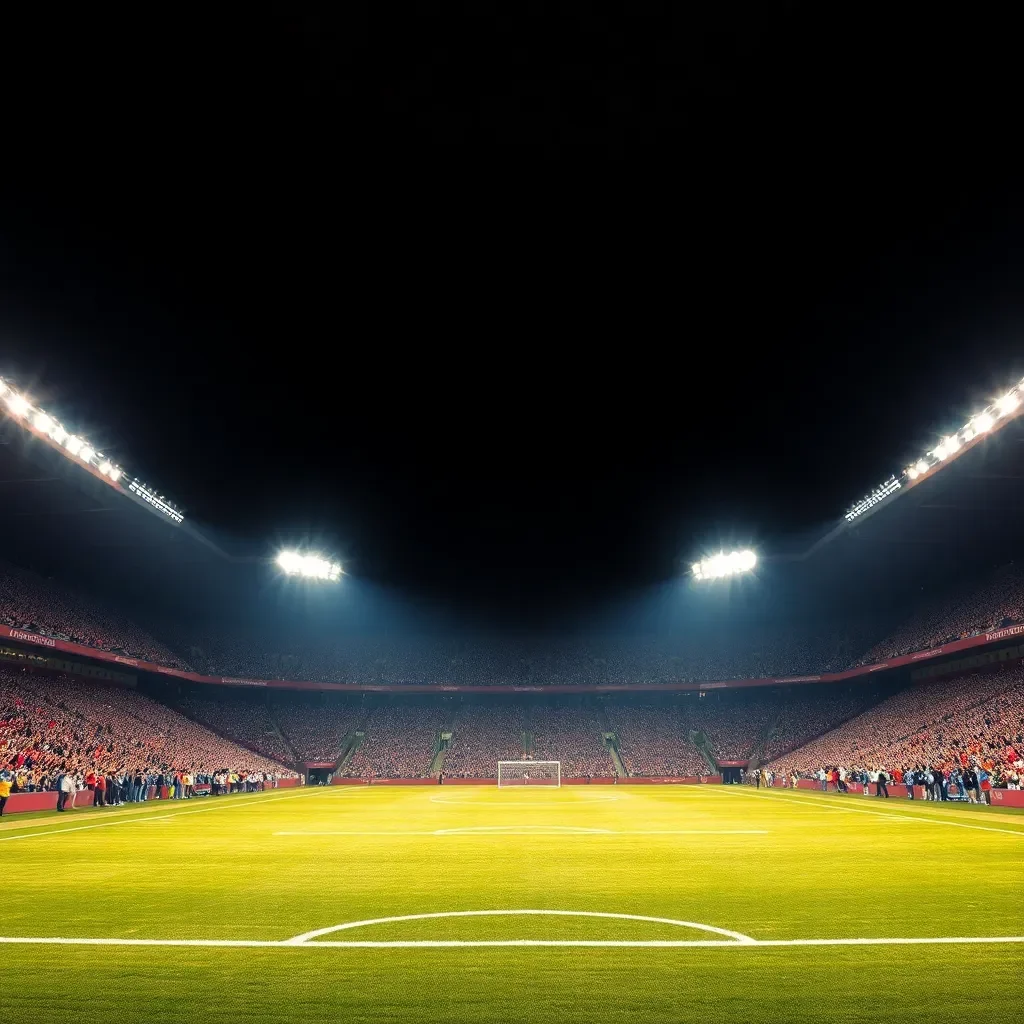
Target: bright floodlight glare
(86,454)
(913,472)
(74,444)
(18,404)
(43,422)
(722,564)
(1008,403)
(982,422)
(310,566)
(922,466)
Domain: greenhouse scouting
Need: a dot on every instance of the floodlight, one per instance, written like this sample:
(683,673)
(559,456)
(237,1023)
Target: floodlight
(18,404)
(722,564)
(43,422)
(1008,403)
(74,444)
(115,473)
(59,434)
(913,472)
(982,422)
(105,468)
(311,566)
(86,454)
(922,466)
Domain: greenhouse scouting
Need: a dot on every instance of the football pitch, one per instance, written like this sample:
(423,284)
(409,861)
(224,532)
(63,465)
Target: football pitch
(586,903)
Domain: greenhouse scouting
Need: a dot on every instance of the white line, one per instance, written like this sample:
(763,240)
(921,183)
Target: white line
(458,943)
(533,830)
(306,936)
(179,814)
(818,802)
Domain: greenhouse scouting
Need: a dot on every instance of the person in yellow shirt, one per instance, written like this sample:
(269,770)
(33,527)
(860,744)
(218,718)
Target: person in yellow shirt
(5,791)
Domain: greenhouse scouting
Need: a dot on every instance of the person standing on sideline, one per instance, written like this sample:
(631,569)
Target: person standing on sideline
(5,790)
(67,789)
(908,781)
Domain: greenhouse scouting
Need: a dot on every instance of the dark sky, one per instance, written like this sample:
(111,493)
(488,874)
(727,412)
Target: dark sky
(534,305)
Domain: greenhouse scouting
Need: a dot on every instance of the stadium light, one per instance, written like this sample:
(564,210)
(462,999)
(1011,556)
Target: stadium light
(718,566)
(43,425)
(993,417)
(309,566)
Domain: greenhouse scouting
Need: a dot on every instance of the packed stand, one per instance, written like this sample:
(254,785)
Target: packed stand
(56,727)
(654,741)
(740,652)
(944,723)
(735,725)
(804,717)
(245,721)
(483,736)
(400,743)
(572,735)
(316,733)
(38,605)
(994,603)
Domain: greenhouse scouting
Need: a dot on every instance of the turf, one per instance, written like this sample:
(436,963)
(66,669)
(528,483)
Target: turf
(772,866)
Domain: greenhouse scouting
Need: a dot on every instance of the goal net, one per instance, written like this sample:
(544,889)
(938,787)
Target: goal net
(529,773)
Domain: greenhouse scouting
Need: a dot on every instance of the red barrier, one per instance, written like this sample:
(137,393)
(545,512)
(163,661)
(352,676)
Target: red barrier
(602,782)
(468,782)
(1007,798)
(668,780)
(43,801)
(336,781)
(403,782)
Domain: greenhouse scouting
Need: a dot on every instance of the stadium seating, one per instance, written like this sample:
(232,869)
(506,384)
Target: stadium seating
(994,602)
(653,741)
(483,736)
(572,735)
(49,722)
(28,601)
(399,743)
(316,733)
(247,722)
(928,724)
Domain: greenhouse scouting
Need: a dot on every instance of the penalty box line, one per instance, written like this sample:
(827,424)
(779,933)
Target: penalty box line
(523,943)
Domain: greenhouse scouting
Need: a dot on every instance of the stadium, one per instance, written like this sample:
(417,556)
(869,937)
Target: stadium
(304,820)
(511,515)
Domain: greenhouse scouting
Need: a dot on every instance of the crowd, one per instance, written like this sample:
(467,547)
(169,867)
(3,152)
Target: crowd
(316,733)
(399,743)
(572,735)
(992,603)
(973,723)
(30,602)
(699,656)
(654,741)
(246,721)
(483,736)
(702,653)
(57,729)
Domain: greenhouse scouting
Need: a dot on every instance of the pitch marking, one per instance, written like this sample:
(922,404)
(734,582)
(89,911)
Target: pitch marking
(137,820)
(1019,833)
(306,936)
(531,830)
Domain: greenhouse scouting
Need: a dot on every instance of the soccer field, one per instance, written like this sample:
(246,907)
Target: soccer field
(461,903)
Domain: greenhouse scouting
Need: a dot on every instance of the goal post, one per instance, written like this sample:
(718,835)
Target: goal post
(529,773)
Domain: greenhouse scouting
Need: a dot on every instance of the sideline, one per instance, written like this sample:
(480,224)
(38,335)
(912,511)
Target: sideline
(460,943)
(136,819)
(827,804)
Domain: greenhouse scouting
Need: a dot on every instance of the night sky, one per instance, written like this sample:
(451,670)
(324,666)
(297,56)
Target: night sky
(502,308)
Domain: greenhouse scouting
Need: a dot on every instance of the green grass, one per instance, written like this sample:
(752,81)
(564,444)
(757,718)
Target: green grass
(779,866)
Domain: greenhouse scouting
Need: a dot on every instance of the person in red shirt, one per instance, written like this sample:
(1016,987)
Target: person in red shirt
(99,799)
(90,780)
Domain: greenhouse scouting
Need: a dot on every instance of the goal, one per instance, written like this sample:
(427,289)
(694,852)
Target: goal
(529,773)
